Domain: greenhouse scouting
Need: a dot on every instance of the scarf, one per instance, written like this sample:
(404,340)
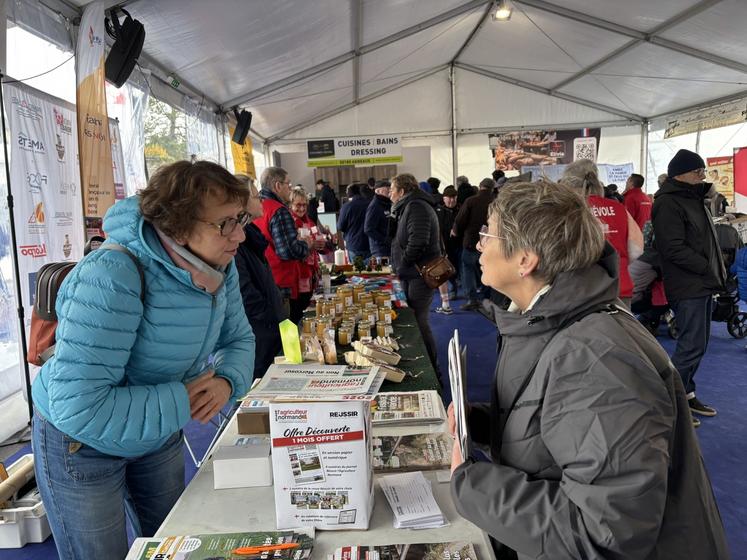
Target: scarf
(204,276)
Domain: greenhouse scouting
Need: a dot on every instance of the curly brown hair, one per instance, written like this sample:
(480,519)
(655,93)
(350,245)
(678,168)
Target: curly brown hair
(174,197)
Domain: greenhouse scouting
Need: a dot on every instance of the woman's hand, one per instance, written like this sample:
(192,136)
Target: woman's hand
(207,396)
(456,455)
(451,419)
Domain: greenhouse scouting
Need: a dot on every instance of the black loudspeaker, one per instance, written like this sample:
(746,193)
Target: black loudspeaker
(128,44)
(243,122)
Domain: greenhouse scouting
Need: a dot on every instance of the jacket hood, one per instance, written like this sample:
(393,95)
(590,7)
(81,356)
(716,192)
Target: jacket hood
(405,200)
(571,294)
(678,188)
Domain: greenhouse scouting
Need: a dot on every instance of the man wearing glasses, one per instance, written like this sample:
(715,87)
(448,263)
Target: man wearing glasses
(286,249)
(691,263)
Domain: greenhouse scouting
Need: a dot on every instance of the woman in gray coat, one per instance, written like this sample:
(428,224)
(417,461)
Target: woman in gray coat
(592,446)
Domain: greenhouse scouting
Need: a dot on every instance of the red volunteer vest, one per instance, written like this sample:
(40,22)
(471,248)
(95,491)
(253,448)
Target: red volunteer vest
(614,218)
(639,205)
(286,273)
(309,267)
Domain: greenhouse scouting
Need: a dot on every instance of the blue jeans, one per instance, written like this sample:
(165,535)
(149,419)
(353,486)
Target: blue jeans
(87,494)
(693,319)
(471,274)
(364,254)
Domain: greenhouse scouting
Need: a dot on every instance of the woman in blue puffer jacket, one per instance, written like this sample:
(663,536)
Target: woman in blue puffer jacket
(129,371)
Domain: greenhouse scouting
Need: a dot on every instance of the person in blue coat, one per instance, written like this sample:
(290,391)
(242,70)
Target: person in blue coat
(376,225)
(351,223)
(131,369)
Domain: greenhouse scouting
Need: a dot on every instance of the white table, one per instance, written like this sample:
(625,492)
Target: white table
(201,509)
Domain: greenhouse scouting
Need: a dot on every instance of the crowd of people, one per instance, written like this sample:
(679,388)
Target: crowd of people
(589,424)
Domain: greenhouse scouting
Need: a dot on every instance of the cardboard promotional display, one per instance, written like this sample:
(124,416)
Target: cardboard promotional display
(321,461)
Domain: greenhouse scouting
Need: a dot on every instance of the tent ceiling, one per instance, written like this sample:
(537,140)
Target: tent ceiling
(292,63)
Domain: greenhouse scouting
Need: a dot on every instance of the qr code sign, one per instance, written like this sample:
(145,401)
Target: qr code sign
(585,148)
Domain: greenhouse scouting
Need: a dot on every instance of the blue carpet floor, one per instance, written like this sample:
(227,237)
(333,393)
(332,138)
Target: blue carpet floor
(722,383)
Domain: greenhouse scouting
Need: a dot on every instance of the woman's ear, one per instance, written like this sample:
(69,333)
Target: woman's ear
(528,263)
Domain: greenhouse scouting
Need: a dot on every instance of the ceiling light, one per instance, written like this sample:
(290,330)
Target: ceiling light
(502,10)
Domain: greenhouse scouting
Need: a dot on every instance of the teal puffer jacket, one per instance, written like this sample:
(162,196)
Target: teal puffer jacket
(116,381)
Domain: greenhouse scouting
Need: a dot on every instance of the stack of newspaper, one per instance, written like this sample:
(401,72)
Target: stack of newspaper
(411,498)
(407,408)
(447,550)
(316,382)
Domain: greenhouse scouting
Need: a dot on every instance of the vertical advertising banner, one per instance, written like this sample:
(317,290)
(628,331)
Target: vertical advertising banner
(721,173)
(740,179)
(97,180)
(243,156)
(44,181)
(118,167)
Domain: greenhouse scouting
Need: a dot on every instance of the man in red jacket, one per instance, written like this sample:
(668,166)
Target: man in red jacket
(637,202)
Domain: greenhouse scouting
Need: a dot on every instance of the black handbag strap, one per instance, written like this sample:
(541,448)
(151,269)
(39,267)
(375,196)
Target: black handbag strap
(121,249)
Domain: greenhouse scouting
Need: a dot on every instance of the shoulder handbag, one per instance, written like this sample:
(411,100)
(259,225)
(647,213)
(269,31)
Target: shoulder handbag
(438,270)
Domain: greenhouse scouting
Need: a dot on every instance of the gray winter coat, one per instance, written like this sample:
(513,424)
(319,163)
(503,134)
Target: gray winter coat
(598,457)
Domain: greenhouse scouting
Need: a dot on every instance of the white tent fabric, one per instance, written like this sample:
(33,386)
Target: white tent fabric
(298,63)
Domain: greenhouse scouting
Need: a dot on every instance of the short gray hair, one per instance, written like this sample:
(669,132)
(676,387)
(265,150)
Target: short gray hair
(271,175)
(551,220)
(462,179)
(583,175)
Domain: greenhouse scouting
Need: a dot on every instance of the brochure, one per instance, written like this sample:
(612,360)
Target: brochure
(296,545)
(411,498)
(425,551)
(407,408)
(321,460)
(314,379)
(417,452)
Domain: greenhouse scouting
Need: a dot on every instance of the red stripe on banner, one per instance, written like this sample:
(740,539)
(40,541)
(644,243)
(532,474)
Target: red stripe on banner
(316,439)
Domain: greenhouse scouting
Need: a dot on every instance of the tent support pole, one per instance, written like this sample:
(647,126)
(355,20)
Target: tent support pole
(644,149)
(454,153)
(16,270)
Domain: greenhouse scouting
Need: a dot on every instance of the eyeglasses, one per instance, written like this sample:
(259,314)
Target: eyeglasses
(228,226)
(485,234)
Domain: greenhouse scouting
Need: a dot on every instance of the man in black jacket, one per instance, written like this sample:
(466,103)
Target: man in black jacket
(351,221)
(263,302)
(376,226)
(415,243)
(691,263)
(327,197)
(472,216)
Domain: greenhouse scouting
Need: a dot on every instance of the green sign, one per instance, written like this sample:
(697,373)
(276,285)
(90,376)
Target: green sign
(354,161)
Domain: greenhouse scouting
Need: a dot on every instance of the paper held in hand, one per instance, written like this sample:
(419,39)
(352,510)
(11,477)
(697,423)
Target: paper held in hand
(457,377)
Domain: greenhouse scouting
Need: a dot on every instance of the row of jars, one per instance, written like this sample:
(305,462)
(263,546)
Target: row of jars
(348,296)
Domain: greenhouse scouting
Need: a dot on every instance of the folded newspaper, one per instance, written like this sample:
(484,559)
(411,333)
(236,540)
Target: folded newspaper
(297,545)
(423,551)
(316,381)
(407,408)
(417,452)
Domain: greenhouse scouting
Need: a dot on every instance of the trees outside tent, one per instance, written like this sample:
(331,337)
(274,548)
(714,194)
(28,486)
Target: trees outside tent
(165,135)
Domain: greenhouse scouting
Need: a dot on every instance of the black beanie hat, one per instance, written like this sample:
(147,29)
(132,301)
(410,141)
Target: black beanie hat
(684,161)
